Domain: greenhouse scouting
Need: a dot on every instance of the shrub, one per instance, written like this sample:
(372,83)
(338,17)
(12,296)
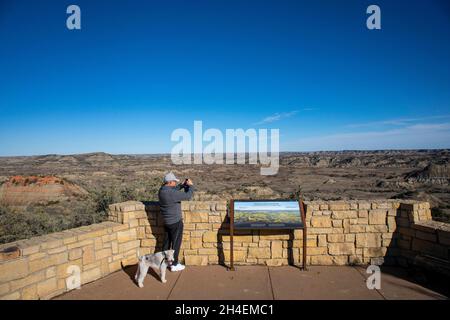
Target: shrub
(40,219)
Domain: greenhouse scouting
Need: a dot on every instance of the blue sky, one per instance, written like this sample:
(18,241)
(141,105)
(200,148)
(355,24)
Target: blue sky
(137,70)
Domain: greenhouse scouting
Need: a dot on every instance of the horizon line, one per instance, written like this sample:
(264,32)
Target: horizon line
(246,153)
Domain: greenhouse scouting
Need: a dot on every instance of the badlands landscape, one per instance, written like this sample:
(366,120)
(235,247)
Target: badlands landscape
(41,194)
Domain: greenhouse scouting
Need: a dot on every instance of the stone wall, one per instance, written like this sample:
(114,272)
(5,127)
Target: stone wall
(43,267)
(339,233)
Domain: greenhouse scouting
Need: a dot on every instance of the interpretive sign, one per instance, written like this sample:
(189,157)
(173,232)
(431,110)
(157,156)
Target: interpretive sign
(272,214)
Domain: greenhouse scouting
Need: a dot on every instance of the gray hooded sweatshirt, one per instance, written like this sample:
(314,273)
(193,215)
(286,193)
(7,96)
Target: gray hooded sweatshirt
(170,201)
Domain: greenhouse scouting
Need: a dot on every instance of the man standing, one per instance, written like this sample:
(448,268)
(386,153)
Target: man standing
(170,197)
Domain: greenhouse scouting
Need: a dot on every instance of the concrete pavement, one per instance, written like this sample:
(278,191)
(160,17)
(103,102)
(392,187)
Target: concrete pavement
(254,283)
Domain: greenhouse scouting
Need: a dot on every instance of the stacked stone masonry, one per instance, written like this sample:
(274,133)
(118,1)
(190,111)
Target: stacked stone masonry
(338,233)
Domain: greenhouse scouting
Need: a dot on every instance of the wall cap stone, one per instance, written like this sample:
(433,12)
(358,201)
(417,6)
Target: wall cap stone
(37,241)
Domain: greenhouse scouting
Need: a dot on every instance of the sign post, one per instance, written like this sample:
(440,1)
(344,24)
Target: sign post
(231,235)
(303,216)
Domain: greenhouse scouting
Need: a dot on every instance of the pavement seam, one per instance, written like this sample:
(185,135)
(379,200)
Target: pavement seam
(362,275)
(173,287)
(271,286)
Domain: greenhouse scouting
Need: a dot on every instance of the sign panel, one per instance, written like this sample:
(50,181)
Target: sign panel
(267,214)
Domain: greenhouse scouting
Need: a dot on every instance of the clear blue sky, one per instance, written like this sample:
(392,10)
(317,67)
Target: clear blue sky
(137,70)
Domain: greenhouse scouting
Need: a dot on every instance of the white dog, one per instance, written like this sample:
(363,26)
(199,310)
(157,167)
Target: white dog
(157,261)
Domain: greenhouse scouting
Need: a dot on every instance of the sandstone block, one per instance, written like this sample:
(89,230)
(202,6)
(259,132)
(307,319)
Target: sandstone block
(259,253)
(239,255)
(127,235)
(221,207)
(213,259)
(207,251)
(321,230)
(263,243)
(214,219)
(115,247)
(345,214)
(91,275)
(88,255)
(377,217)
(36,256)
(195,233)
(321,221)
(322,240)
(50,272)
(317,251)
(327,260)
(337,223)
(384,205)
(336,238)
(11,296)
(104,253)
(30,293)
(392,212)
(30,250)
(350,238)
(133,223)
(273,235)
(363,221)
(46,287)
(13,269)
(337,249)
(357,228)
(392,225)
(368,240)
(275,262)
(310,243)
(339,206)
(51,244)
(377,228)
(240,238)
(203,226)
(120,227)
(323,260)
(4,289)
(277,249)
(298,234)
(374,252)
(127,246)
(98,243)
(354,260)
(79,244)
(26,281)
(207,205)
(210,236)
(363,213)
(196,243)
(364,205)
(196,260)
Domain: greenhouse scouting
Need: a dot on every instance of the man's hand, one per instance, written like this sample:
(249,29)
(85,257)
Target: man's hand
(189,182)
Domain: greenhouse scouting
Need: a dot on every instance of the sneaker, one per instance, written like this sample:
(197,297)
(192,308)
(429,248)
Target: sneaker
(177,267)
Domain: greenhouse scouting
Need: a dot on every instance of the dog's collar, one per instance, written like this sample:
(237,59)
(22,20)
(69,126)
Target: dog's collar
(165,258)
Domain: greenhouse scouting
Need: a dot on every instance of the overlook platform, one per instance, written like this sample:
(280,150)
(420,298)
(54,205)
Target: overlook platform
(256,283)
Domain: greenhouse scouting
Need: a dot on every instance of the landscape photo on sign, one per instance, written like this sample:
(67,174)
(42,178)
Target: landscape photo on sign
(267,214)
